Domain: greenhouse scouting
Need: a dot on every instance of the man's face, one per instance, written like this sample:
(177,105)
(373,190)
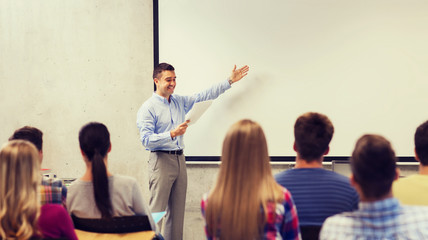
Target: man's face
(165,85)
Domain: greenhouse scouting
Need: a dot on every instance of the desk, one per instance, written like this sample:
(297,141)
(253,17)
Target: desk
(83,235)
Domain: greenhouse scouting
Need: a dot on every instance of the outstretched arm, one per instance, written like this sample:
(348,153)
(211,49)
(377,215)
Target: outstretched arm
(238,74)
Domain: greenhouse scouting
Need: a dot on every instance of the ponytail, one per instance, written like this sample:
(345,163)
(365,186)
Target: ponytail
(101,186)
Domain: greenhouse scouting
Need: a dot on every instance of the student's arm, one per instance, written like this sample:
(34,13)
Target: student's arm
(290,229)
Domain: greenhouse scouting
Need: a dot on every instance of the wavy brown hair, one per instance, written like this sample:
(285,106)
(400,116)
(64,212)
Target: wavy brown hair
(19,181)
(244,185)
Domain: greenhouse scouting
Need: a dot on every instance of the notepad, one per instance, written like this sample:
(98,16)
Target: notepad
(196,112)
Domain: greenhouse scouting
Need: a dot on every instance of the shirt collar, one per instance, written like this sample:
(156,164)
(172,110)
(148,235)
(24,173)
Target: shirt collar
(379,206)
(161,99)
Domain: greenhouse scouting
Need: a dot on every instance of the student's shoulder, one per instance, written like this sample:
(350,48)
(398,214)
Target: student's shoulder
(50,210)
(286,173)
(124,180)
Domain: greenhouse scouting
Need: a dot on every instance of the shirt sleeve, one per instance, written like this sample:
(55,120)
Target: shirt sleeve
(140,207)
(146,125)
(203,205)
(209,94)
(290,228)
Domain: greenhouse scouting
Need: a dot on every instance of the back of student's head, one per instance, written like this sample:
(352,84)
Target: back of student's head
(245,150)
(94,139)
(421,143)
(31,134)
(312,135)
(19,178)
(244,184)
(373,165)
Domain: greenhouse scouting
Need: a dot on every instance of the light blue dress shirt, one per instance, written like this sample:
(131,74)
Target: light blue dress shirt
(157,117)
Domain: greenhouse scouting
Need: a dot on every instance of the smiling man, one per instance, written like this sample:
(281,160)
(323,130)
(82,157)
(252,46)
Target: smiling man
(161,122)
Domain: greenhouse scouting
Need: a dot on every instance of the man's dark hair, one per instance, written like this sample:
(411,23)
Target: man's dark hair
(312,134)
(421,143)
(160,68)
(31,134)
(373,164)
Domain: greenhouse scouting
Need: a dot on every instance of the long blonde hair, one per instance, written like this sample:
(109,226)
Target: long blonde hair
(244,185)
(19,181)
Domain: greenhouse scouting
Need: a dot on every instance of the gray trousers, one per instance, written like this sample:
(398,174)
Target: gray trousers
(168,186)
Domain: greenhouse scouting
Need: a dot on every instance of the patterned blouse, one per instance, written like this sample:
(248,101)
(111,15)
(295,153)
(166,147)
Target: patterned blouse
(282,221)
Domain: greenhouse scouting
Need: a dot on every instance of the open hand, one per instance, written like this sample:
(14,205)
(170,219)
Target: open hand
(238,74)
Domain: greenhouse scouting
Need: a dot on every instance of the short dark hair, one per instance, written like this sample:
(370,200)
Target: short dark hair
(312,134)
(421,143)
(31,134)
(160,68)
(373,164)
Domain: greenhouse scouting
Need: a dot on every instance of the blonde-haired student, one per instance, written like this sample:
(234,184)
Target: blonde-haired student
(21,216)
(246,202)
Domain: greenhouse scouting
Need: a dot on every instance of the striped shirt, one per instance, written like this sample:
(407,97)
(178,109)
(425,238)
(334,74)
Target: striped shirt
(318,193)
(385,219)
(282,221)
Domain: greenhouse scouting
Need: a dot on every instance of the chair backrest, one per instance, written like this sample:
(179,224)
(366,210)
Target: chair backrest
(310,232)
(125,224)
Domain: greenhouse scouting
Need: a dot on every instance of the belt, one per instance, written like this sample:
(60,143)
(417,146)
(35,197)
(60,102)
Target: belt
(176,152)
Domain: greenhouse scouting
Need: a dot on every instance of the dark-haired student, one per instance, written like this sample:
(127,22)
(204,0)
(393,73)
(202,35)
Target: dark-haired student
(99,193)
(162,125)
(380,215)
(317,192)
(51,190)
(413,190)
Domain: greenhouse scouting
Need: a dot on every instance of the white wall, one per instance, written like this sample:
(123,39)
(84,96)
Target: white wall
(65,63)
(362,63)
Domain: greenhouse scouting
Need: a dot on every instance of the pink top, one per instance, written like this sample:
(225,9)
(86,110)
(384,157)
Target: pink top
(54,222)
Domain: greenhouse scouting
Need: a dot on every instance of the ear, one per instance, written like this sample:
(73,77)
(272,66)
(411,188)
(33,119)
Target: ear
(355,185)
(83,154)
(327,151)
(109,148)
(397,174)
(352,180)
(416,156)
(295,147)
(156,81)
(41,156)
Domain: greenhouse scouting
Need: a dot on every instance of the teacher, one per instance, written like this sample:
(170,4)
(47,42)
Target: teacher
(161,122)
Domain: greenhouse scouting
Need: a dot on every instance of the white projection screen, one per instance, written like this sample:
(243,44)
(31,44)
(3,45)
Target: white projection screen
(362,63)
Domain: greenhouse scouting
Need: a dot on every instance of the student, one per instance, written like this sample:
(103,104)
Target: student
(99,193)
(246,202)
(161,123)
(318,193)
(21,216)
(413,190)
(380,215)
(52,190)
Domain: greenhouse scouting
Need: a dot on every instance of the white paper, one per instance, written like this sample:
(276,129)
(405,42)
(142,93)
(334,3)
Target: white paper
(196,112)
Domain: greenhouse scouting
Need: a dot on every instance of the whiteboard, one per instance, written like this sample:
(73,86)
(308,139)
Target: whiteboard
(362,63)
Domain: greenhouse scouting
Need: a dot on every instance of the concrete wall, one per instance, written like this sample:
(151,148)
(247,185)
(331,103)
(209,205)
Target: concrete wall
(66,63)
